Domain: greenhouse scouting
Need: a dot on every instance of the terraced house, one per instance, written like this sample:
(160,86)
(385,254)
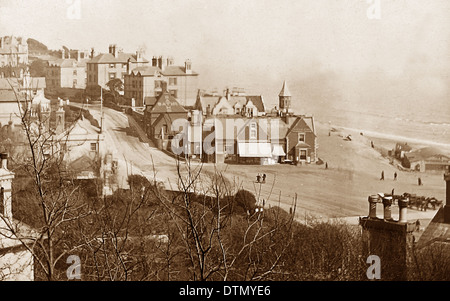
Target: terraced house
(143,85)
(107,66)
(67,72)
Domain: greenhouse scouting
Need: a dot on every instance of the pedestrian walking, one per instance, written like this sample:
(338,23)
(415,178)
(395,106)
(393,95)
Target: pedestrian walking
(258,178)
(264,178)
(395,176)
(419,181)
(382,175)
(326,165)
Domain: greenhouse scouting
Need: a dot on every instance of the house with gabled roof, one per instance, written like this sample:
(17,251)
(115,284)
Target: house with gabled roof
(427,159)
(301,145)
(160,116)
(230,104)
(145,82)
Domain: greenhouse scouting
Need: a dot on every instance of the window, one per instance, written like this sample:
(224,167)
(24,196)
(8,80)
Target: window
(74,72)
(157,84)
(124,65)
(112,75)
(112,65)
(302,154)
(253,131)
(172,81)
(301,137)
(93,146)
(174,93)
(74,82)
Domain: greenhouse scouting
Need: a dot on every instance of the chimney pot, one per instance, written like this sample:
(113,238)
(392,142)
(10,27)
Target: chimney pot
(403,210)
(387,202)
(373,200)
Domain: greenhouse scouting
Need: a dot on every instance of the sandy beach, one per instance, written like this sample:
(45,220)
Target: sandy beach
(341,191)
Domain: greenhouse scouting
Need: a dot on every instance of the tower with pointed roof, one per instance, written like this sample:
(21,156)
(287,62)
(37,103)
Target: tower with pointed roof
(284,98)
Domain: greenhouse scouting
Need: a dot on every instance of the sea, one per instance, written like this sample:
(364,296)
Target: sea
(412,119)
(428,126)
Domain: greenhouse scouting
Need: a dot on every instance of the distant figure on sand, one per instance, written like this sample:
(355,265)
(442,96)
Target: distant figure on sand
(371,144)
(395,176)
(419,181)
(326,165)
(258,178)
(382,175)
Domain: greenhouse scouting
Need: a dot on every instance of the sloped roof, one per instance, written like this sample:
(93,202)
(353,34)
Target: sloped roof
(108,58)
(166,103)
(146,70)
(284,90)
(68,63)
(436,232)
(257,100)
(150,100)
(176,71)
(404,146)
(304,122)
(207,100)
(424,153)
(10,96)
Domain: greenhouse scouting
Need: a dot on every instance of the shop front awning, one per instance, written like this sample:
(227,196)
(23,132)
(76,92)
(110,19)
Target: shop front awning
(277,150)
(255,149)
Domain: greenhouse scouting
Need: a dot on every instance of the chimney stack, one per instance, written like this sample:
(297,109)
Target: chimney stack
(188,67)
(4,158)
(128,66)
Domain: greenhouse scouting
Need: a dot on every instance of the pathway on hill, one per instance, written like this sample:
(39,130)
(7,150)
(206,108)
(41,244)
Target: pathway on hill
(135,153)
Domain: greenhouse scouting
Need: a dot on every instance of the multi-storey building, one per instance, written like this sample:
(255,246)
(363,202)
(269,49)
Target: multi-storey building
(107,66)
(16,94)
(143,84)
(13,51)
(67,72)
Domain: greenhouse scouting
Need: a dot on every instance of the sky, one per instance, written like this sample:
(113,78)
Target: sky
(322,48)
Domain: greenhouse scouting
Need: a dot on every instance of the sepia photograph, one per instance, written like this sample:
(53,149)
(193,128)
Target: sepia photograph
(246,143)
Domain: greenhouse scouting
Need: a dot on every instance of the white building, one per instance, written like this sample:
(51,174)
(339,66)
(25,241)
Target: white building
(16,261)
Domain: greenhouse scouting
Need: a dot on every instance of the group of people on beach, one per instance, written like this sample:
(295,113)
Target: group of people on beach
(419,179)
(261,178)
